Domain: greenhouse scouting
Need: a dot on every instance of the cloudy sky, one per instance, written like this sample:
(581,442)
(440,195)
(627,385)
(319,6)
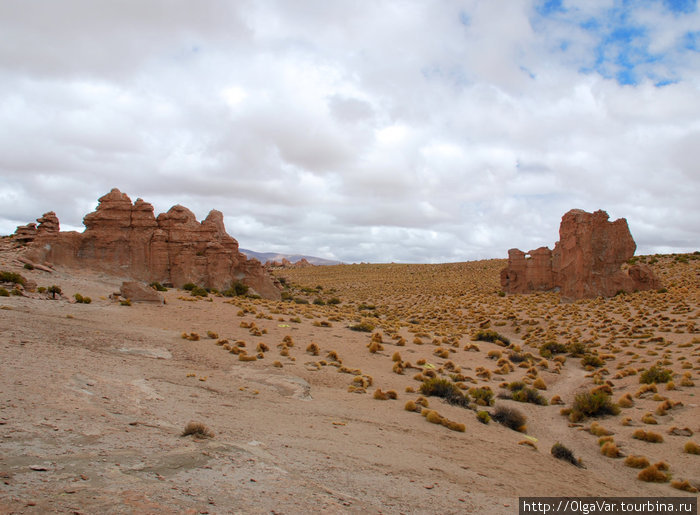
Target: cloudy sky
(384,130)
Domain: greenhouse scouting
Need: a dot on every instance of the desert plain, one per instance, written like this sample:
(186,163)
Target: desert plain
(311,404)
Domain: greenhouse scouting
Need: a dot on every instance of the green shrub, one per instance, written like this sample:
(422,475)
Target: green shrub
(28,266)
(287,296)
(12,277)
(655,374)
(82,300)
(592,404)
(318,301)
(366,307)
(591,360)
(516,357)
(488,335)
(334,301)
(4,292)
(198,291)
(158,287)
(189,286)
(563,453)
(440,387)
(510,417)
(41,289)
(483,396)
(54,290)
(483,416)
(125,302)
(299,300)
(576,349)
(530,395)
(547,350)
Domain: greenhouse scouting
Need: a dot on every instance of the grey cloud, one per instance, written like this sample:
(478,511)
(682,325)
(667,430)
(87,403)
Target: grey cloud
(382,131)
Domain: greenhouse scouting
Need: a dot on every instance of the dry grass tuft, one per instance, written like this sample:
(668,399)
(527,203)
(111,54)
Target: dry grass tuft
(647,436)
(198,430)
(684,485)
(637,462)
(652,474)
(692,448)
(563,453)
(610,450)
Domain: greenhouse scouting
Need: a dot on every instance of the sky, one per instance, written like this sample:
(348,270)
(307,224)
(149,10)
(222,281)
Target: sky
(417,131)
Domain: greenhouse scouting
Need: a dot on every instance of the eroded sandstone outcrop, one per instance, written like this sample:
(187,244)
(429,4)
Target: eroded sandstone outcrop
(588,261)
(128,240)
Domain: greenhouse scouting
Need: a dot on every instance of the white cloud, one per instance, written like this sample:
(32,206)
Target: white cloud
(383,131)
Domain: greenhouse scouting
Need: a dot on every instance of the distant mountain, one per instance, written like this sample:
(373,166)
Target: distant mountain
(263,257)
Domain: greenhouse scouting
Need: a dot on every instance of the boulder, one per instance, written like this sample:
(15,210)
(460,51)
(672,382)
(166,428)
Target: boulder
(139,292)
(127,239)
(588,261)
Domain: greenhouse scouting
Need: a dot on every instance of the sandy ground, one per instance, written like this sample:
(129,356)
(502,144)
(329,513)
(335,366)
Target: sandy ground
(94,398)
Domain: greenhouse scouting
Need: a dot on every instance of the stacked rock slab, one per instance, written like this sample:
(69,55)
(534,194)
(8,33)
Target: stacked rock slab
(128,240)
(586,262)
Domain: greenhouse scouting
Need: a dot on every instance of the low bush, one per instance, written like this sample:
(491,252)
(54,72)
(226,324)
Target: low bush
(610,450)
(158,287)
(647,436)
(576,349)
(637,462)
(483,416)
(198,291)
(684,485)
(527,394)
(692,448)
(189,286)
(655,375)
(591,360)
(439,387)
(364,327)
(510,417)
(483,396)
(198,430)
(652,474)
(592,404)
(488,335)
(549,349)
(82,300)
(12,277)
(561,452)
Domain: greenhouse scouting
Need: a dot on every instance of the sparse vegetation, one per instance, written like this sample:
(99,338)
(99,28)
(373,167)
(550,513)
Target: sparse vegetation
(510,417)
(655,375)
(488,335)
(592,404)
(561,452)
(198,430)
(444,388)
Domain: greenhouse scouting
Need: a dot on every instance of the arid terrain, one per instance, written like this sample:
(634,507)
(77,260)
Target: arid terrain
(299,393)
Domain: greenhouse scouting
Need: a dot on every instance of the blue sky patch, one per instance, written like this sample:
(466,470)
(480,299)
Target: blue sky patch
(617,43)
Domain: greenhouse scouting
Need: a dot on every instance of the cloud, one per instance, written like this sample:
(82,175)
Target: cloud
(384,131)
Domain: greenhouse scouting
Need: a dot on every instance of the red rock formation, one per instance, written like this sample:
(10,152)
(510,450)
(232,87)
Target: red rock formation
(128,240)
(139,292)
(586,262)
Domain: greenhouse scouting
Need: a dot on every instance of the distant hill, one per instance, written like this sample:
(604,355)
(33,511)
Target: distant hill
(263,257)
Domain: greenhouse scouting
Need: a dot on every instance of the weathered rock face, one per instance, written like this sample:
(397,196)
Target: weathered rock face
(586,262)
(128,240)
(139,292)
